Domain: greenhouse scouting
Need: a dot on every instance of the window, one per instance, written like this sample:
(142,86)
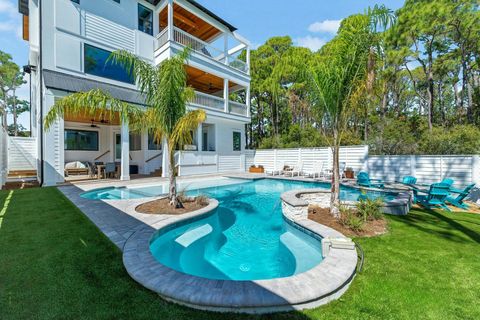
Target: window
(135,142)
(152,144)
(95,61)
(145,19)
(80,140)
(237,141)
(76,1)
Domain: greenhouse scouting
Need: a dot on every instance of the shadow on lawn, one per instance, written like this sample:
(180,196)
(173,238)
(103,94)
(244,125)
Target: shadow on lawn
(427,220)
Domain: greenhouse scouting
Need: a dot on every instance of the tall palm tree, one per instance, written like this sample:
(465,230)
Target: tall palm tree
(336,74)
(165,116)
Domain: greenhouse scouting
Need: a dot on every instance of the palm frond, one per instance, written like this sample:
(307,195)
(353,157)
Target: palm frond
(181,135)
(94,103)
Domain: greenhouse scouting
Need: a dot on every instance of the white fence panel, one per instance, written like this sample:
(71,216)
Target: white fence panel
(265,158)
(3,157)
(22,153)
(389,168)
(249,158)
(230,163)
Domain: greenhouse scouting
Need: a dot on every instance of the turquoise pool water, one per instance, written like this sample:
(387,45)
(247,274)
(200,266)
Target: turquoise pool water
(246,238)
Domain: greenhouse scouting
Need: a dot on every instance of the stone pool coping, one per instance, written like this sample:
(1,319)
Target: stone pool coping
(399,206)
(325,282)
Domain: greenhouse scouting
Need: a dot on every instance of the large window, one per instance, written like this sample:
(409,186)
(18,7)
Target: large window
(237,141)
(95,60)
(145,19)
(81,140)
(152,144)
(135,142)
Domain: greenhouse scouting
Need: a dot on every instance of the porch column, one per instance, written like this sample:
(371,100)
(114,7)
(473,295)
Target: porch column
(248,59)
(247,98)
(225,48)
(225,95)
(125,159)
(165,163)
(170,20)
(199,137)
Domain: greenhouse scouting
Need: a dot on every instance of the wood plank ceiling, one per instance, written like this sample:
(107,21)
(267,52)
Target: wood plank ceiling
(189,23)
(205,82)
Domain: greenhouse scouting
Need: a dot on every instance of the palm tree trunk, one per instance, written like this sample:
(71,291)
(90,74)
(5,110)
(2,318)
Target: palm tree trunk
(172,193)
(335,189)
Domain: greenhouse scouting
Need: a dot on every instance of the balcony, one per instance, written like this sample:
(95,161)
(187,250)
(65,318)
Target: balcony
(208,50)
(203,100)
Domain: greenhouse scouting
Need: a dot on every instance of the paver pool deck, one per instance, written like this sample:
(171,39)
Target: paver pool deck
(132,231)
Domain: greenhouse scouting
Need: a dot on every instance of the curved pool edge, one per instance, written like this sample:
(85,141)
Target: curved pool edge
(296,206)
(297,292)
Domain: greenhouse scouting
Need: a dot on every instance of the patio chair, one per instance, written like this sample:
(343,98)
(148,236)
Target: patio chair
(363,180)
(297,169)
(110,169)
(277,169)
(458,200)
(408,180)
(317,170)
(436,196)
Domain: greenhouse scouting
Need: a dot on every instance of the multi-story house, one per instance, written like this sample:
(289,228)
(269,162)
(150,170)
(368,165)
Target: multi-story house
(70,42)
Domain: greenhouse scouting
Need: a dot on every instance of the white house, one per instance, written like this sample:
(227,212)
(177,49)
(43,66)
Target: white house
(70,41)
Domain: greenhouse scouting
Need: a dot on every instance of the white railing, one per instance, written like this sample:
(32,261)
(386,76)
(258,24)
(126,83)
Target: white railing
(237,64)
(238,108)
(162,38)
(197,45)
(206,100)
(201,47)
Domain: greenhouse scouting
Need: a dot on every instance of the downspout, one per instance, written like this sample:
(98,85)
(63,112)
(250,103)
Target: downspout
(40,75)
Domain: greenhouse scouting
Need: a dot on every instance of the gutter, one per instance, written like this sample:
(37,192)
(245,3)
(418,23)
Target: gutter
(40,76)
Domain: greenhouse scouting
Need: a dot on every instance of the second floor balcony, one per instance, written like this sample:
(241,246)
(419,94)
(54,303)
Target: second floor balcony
(207,39)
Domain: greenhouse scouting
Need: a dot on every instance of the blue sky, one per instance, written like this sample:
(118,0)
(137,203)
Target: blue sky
(310,23)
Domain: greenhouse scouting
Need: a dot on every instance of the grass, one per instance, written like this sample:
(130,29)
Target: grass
(54,263)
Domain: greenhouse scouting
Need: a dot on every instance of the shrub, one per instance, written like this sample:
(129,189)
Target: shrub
(350,219)
(202,200)
(368,209)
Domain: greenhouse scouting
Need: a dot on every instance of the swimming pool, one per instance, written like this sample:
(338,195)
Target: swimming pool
(245,238)
(112,193)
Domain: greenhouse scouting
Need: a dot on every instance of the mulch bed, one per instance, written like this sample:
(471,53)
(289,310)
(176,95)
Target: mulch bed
(370,228)
(163,206)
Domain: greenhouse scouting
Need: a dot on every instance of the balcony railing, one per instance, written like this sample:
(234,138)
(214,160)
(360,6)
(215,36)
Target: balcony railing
(238,108)
(200,47)
(206,100)
(213,102)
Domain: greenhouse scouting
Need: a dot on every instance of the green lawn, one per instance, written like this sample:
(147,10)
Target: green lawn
(54,263)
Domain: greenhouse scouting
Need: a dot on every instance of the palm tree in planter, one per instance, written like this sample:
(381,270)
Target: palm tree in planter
(165,115)
(337,75)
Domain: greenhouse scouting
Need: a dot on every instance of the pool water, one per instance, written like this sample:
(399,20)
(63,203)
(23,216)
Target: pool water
(246,238)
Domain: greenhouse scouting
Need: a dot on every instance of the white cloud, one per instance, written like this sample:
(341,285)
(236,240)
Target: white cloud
(313,43)
(7,7)
(326,26)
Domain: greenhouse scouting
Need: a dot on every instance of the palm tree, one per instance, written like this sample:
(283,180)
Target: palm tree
(336,74)
(165,116)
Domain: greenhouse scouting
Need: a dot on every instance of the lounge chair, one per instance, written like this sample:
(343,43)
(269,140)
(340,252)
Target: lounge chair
(363,180)
(458,200)
(317,170)
(297,169)
(408,180)
(436,196)
(277,169)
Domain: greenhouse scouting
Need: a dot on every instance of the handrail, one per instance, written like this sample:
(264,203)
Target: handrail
(154,157)
(206,100)
(196,44)
(105,153)
(238,108)
(162,38)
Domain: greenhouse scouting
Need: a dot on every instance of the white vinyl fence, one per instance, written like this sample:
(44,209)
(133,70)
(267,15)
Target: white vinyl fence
(428,169)
(3,157)
(22,153)
(356,157)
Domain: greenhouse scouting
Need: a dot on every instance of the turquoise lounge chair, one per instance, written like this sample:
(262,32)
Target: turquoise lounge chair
(408,180)
(458,200)
(436,196)
(363,180)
